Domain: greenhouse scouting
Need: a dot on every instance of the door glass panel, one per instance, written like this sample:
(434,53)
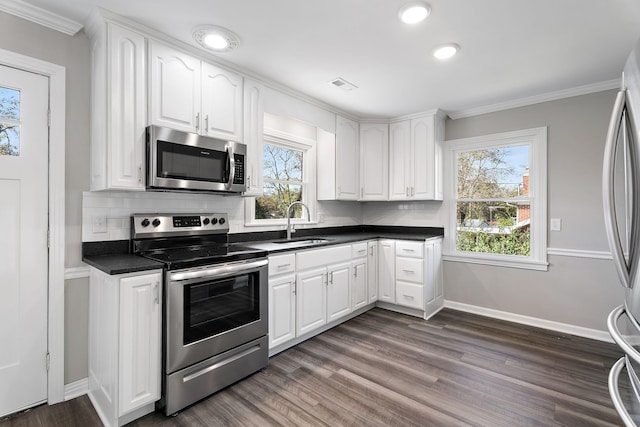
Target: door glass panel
(9,122)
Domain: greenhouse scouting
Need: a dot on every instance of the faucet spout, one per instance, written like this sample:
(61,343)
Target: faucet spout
(289,231)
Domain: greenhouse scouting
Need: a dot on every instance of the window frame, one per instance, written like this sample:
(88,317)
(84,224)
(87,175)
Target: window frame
(308,148)
(536,140)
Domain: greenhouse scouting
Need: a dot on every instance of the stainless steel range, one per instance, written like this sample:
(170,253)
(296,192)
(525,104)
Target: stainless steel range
(215,319)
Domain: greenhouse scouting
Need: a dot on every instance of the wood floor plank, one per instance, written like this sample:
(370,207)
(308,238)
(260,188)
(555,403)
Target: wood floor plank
(387,369)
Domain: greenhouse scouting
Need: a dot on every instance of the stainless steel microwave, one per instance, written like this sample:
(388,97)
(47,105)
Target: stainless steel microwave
(187,161)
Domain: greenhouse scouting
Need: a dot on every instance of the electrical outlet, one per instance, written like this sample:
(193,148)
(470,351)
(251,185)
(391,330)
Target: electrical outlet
(321,217)
(99,224)
(556,224)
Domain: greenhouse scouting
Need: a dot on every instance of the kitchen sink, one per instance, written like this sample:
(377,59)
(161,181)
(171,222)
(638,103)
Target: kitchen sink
(305,242)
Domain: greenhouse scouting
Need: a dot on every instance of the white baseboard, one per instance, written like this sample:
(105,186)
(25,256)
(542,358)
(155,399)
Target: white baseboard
(76,389)
(531,321)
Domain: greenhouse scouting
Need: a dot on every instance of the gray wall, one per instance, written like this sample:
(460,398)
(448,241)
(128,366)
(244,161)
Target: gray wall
(73,53)
(577,291)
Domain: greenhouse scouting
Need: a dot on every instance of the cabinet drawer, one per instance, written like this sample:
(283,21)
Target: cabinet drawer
(279,264)
(322,257)
(359,250)
(409,249)
(409,295)
(409,269)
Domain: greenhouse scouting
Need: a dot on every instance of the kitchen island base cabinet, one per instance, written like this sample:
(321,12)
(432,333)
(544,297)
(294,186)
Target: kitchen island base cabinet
(125,322)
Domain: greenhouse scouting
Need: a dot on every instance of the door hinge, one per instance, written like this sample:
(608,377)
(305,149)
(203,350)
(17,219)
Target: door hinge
(48,361)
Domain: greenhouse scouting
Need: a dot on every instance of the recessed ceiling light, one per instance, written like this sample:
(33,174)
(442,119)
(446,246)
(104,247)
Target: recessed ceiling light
(215,38)
(413,13)
(446,51)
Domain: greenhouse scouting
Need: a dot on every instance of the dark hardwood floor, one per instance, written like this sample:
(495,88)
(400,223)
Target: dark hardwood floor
(387,369)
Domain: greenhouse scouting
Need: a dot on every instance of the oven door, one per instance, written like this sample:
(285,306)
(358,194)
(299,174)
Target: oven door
(213,309)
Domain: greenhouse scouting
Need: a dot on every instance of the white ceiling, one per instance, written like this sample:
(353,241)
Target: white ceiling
(511,49)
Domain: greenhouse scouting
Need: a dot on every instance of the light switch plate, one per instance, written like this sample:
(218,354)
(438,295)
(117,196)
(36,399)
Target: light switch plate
(99,224)
(556,224)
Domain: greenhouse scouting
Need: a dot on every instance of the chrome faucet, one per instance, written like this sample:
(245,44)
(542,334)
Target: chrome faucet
(289,226)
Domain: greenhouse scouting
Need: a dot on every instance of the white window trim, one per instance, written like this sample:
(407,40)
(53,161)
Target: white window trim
(536,138)
(295,142)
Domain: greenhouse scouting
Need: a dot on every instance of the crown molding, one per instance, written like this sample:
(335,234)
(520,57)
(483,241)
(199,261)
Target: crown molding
(40,16)
(537,99)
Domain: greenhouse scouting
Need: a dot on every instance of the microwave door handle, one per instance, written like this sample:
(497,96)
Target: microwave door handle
(608,197)
(232,166)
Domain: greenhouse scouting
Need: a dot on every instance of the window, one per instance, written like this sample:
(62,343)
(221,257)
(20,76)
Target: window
(288,171)
(282,181)
(9,122)
(497,194)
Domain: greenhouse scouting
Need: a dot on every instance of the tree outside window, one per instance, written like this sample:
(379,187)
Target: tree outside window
(283,182)
(493,206)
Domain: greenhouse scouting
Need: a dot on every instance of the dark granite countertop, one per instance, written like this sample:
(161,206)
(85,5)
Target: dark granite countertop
(113,257)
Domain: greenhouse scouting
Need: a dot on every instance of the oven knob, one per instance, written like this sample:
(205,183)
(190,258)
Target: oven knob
(206,221)
(214,221)
(222,221)
(145,222)
(156,222)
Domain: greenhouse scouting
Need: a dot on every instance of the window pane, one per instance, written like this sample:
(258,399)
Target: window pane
(493,227)
(9,132)
(277,197)
(9,140)
(281,163)
(493,173)
(9,104)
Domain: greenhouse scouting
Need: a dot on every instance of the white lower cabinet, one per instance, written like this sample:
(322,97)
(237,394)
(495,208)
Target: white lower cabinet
(323,287)
(433,286)
(410,274)
(282,299)
(125,320)
(372,271)
(387,271)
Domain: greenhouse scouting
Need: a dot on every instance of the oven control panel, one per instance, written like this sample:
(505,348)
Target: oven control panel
(158,225)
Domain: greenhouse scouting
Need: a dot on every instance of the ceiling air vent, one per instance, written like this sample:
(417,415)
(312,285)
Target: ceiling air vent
(343,84)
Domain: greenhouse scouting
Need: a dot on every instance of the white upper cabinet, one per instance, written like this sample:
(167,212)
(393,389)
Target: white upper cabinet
(254,97)
(175,97)
(118,105)
(221,103)
(416,158)
(347,160)
(194,96)
(374,160)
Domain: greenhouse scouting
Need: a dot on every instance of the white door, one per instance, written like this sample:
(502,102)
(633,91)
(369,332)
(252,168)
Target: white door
(338,291)
(24,150)
(311,294)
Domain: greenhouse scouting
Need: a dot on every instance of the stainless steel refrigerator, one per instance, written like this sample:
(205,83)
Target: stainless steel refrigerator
(621,199)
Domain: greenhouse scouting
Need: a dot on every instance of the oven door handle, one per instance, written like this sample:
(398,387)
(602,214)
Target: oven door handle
(217,271)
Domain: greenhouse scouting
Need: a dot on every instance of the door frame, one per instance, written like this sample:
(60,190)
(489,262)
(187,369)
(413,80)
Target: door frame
(55,319)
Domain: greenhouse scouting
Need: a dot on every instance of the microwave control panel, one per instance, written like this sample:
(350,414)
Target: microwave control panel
(238,177)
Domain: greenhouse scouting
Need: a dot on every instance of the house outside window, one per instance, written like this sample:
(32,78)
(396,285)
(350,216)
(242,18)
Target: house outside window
(497,195)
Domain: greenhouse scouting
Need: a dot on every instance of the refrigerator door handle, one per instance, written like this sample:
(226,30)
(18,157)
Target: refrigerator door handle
(608,196)
(614,376)
(612,325)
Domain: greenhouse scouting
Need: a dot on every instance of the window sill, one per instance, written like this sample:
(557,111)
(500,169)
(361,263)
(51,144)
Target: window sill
(498,261)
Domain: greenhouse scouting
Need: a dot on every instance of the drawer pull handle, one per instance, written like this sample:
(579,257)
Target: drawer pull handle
(284,265)
(409,271)
(408,250)
(408,296)
(362,251)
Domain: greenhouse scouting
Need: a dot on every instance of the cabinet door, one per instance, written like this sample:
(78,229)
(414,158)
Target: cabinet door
(399,160)
(140,338)
(359,284)
(423,158)
(254,97)
(372,272)
(282,309)
(386,271)
(221,103)
(174,98)
(127,108)
(310,300)
(338,291)
(433,278)
(347,159)
(374,160)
